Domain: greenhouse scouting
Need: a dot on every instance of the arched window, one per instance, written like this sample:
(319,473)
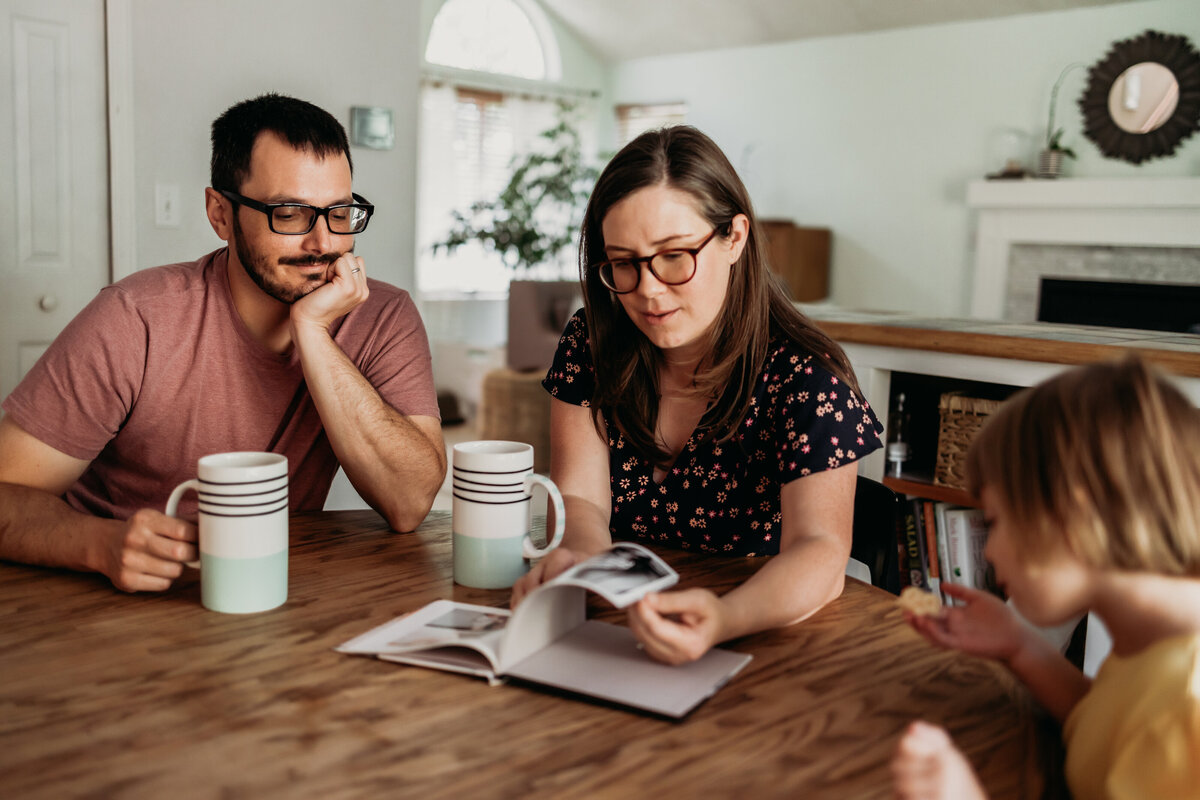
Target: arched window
(472,126)
(500,36)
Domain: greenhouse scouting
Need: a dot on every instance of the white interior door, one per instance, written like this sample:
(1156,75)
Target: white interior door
(54,217)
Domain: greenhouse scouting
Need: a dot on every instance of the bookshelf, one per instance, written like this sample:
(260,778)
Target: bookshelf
(930,491)
(922,423)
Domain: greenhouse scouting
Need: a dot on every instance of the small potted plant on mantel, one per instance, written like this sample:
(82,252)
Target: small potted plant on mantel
(1051,157)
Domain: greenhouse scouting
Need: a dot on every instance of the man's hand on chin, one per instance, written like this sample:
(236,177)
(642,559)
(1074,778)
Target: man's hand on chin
(344,289)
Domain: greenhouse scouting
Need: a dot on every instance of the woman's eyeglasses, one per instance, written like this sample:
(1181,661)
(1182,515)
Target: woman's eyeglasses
(672,267)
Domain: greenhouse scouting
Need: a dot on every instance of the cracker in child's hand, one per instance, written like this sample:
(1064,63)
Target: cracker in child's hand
(920,602)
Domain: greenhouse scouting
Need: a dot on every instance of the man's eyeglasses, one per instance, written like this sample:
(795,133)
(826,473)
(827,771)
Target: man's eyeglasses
(672,267)
(297,219)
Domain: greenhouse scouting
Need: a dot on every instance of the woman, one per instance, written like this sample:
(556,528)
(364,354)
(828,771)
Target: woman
(694,406)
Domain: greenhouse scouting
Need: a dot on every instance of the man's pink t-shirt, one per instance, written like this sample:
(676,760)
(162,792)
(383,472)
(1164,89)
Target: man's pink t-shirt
(159,370)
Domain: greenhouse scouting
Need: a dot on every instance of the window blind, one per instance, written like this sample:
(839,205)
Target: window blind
(483,145)
(636,118)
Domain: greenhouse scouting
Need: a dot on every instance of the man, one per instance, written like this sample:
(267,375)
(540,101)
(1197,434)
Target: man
(277,342)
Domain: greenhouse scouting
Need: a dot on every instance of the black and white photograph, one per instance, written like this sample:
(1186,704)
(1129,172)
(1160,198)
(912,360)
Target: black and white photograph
(456,626)
(468,621)
(624,569)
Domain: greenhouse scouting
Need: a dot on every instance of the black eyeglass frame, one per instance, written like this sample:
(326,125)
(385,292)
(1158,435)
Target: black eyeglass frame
(269,210)
(649,262)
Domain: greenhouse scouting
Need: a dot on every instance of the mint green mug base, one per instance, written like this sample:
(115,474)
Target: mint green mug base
(488,563)
(243,585)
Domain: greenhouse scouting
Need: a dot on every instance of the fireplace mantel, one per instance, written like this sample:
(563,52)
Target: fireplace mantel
(1136,212)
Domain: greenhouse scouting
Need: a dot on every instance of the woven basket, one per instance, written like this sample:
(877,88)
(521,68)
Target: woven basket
(960,418)
(516,408)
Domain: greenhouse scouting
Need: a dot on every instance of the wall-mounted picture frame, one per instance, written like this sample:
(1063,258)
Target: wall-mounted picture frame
(372,127)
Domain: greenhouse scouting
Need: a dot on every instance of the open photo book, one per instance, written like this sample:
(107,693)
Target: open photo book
(548,639)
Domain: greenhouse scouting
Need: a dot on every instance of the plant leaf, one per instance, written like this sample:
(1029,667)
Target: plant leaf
(539,212)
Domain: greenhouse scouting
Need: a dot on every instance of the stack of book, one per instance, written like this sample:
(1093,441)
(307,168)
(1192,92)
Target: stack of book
(940,541)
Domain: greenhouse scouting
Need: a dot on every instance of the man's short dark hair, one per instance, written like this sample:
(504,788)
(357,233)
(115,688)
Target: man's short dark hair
(299,123)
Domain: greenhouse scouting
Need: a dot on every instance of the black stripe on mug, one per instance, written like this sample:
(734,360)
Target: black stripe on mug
(276,490)
(281,507)
(243,483)
(496,472)
(494,489)
(519,485)
(258,504)
(491,502)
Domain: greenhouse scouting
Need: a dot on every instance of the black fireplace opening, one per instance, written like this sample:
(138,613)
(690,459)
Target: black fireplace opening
(1121,304)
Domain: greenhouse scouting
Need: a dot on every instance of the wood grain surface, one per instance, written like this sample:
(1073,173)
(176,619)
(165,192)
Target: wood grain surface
(1173,359)
(111,695)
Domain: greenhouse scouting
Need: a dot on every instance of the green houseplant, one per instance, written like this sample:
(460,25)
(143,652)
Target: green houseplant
(1050,159)
(538,213)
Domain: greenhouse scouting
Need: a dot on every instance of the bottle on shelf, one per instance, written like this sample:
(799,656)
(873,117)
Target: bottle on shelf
(898,450)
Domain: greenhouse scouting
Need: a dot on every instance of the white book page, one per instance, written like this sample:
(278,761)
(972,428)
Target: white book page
(622,575)
(449,659)
(545,615)
(440,625)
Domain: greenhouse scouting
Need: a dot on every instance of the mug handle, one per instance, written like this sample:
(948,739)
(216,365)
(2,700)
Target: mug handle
(173,505)
(529,550)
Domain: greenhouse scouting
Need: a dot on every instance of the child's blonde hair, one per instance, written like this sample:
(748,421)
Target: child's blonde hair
(1106,456)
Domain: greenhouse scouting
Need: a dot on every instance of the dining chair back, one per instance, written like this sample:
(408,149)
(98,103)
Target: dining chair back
(876,514)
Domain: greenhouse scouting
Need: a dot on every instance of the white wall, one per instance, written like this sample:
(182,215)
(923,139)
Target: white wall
(876,135)
(192,60)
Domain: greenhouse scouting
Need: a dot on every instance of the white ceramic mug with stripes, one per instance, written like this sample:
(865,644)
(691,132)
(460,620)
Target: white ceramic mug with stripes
(492,513)
(243,521)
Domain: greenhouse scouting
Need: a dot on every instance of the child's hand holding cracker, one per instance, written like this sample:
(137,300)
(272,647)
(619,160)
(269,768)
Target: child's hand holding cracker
(983,626)
(919,603)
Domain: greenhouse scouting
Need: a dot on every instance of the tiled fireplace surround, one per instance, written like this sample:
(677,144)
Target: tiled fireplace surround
(1134,229)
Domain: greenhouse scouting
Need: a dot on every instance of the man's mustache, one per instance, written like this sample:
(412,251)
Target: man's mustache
(324,259)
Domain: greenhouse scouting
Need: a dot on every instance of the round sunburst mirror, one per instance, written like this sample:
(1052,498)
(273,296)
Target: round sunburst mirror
(1143,98)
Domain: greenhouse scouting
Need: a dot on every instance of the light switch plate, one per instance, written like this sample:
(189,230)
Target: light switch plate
(166,205)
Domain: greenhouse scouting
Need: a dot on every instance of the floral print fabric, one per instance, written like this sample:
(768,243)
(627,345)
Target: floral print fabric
(724,498)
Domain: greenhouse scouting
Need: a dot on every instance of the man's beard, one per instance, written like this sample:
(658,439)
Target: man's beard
(257,267)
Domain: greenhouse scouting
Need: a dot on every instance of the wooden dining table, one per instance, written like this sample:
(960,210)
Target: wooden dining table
(111,695)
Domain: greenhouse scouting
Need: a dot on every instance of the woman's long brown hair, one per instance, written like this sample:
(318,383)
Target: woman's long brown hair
(756,307)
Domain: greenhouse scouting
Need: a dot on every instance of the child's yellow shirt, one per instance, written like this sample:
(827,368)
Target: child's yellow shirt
(1136,734)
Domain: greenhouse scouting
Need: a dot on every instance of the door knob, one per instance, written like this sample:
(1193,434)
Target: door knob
(48,302)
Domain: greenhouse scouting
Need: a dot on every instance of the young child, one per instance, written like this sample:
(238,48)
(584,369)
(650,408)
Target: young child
(1090,485)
